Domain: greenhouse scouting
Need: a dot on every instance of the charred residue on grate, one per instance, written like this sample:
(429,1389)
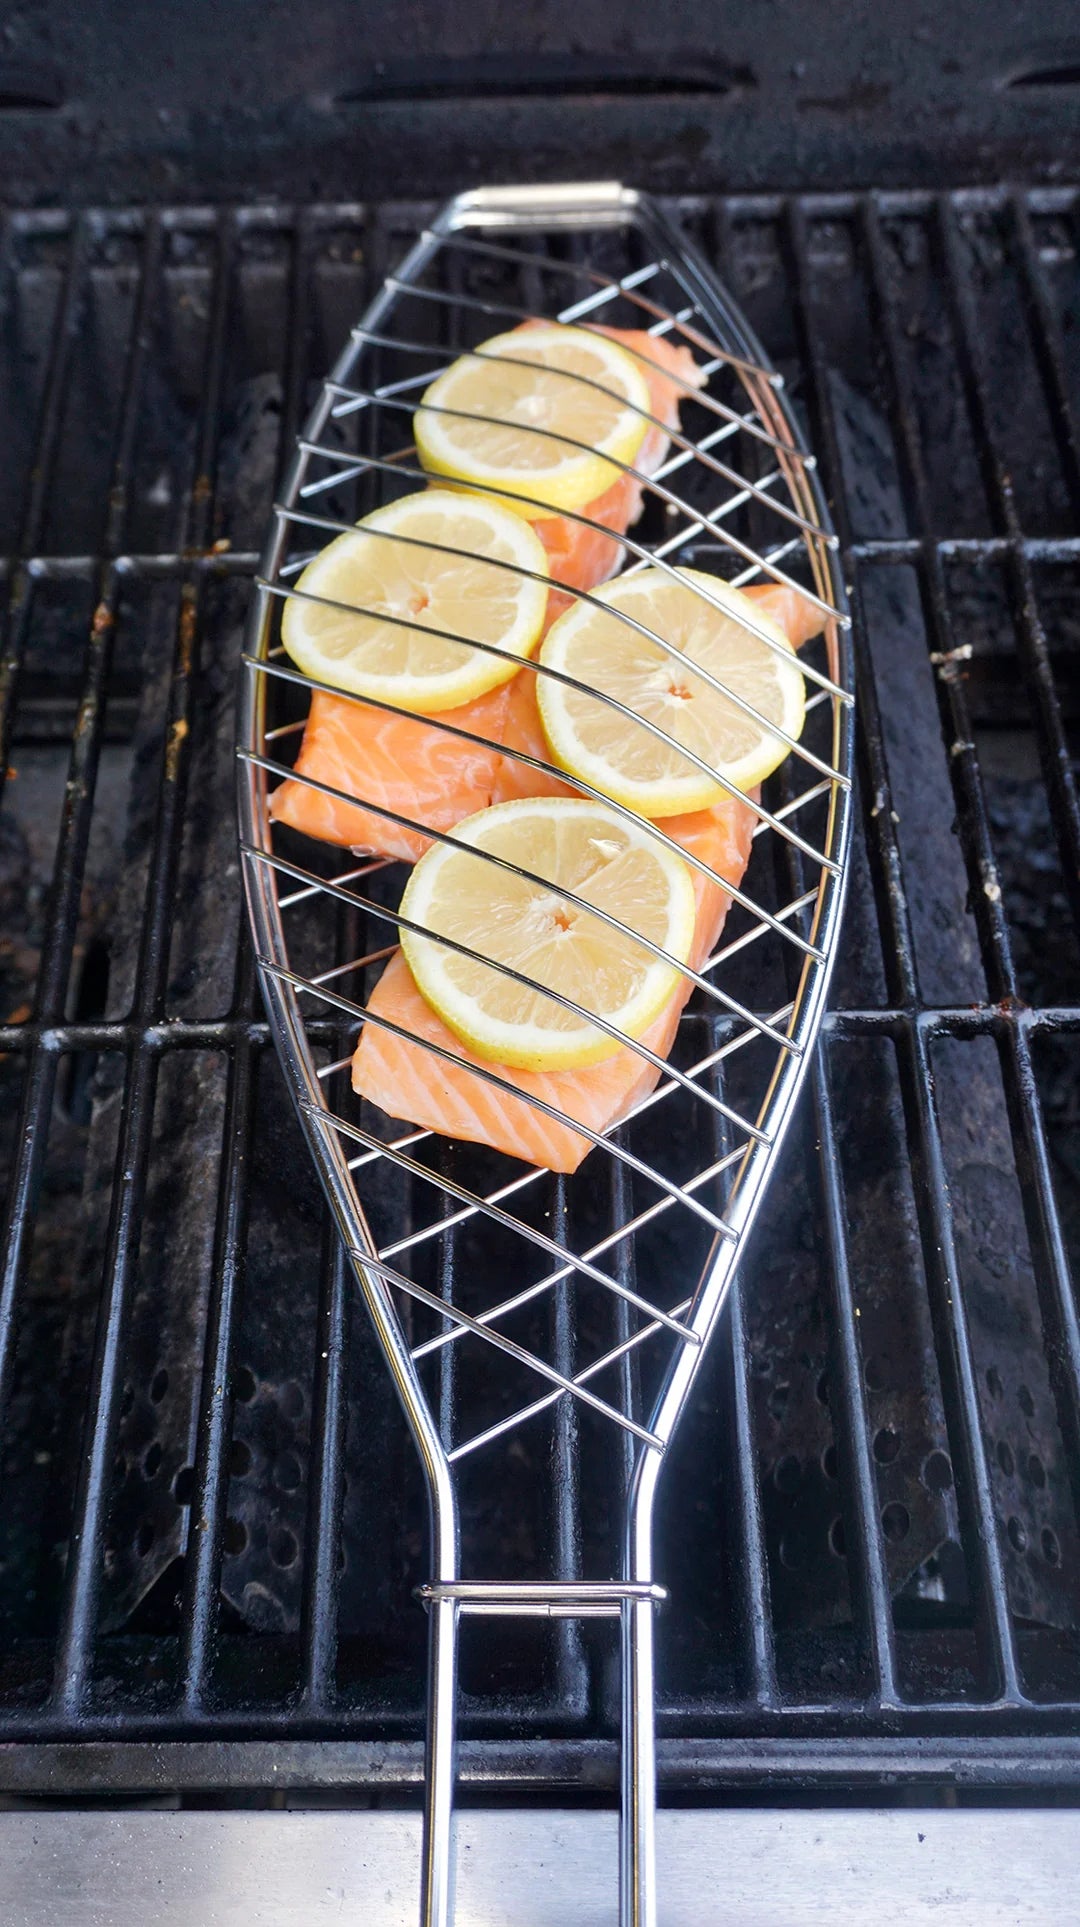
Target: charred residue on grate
(1033,1480)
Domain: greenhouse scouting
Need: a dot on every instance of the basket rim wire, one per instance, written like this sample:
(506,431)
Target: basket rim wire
(743,1148)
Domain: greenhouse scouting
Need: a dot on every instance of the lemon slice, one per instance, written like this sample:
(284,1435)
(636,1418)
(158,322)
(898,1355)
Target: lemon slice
(372,569)
(574,846)
(613,752)
(508,415)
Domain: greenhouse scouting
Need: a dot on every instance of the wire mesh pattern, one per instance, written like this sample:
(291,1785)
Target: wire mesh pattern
(711,1125)
(204,1579)
(368,393)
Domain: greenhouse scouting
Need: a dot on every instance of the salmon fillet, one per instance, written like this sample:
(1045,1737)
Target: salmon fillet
(522,730)
(411,766)
(410,1082)
(799,618)
(581,557)
(402,762)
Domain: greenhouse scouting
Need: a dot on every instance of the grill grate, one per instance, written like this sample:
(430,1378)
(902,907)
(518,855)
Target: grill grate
(883,1451)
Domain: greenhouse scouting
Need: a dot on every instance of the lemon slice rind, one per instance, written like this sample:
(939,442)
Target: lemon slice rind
(413,581)
(545,936)
(576,385)
(592,740)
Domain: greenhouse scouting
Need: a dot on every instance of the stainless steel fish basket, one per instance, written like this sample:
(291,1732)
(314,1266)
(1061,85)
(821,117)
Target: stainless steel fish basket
(646,1236)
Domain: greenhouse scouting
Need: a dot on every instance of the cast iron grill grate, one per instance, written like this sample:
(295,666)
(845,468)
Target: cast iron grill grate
(880,1457)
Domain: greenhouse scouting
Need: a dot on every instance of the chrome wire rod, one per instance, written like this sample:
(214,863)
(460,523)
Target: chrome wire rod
(623,616)
(646,558)
(642,477)
(780,554)
(433,1210)
(740,942)
(579,1264)
(327,1070)
(731,1004)
(603,297)
(282,672)
(292,591)
(354,399)
(497,862)
(609,288)
(401,1143)
(625,1230)
(784,811)
(674,1193)
(436,719)
(357,963)
(489,1076)
(772,920)
(447,1309)
(635,1044)
(363,336)
(664,1089)
(524,1413)
(702,520)
(709,517)
(637,299)
(365,869)
(686,455)
(689,856)
(358,464)
(439,1226)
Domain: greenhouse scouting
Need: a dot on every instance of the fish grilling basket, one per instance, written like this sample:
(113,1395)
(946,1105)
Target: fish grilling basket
(645,1236)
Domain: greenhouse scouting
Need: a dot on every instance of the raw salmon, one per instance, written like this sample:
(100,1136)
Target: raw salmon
(411,766)
(410,1082)
(581,557)
(404,763)
(523,731)
(800,619)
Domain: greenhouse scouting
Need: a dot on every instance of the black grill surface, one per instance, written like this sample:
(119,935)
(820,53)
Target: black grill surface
(210,1518)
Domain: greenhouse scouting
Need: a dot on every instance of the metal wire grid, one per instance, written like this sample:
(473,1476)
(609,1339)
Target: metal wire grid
(699,316)
(1002,1735)
(354,391)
